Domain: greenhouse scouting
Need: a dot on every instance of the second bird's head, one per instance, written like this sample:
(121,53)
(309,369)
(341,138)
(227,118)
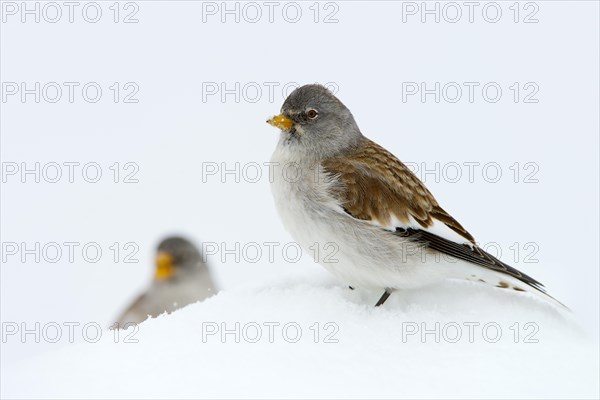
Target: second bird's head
(176,258)
(313,121)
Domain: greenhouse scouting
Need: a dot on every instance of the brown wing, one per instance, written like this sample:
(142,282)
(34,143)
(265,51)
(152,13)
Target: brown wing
(376,186)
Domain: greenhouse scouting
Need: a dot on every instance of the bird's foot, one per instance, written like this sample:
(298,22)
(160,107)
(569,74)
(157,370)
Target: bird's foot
(384,297)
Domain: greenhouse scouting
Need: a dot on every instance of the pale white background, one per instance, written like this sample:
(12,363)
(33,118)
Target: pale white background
(171,132)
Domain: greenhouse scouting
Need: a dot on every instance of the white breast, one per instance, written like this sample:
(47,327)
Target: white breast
(352,250)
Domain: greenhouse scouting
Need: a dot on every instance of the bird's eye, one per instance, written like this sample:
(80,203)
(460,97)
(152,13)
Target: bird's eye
(312,114)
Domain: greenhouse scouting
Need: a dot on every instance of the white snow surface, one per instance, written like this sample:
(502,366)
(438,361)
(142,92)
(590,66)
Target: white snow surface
(373,357)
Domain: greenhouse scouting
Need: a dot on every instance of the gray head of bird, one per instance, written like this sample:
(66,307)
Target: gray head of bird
(177,258)
(316,124)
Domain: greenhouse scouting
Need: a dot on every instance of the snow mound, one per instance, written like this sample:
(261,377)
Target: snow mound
(318,339)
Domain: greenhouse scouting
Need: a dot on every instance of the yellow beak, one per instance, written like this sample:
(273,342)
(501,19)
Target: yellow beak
(164,266)
(281,122)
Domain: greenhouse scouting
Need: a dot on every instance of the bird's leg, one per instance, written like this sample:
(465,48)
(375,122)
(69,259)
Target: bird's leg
(351,288)
(384,297)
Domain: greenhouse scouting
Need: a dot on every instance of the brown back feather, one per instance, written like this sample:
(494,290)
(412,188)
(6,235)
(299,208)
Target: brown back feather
(375,186)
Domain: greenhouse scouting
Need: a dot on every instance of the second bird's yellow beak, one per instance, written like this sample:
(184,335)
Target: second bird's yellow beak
(164,266)
(282,122)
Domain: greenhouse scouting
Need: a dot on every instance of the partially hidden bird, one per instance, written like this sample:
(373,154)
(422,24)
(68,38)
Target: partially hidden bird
(181,277)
